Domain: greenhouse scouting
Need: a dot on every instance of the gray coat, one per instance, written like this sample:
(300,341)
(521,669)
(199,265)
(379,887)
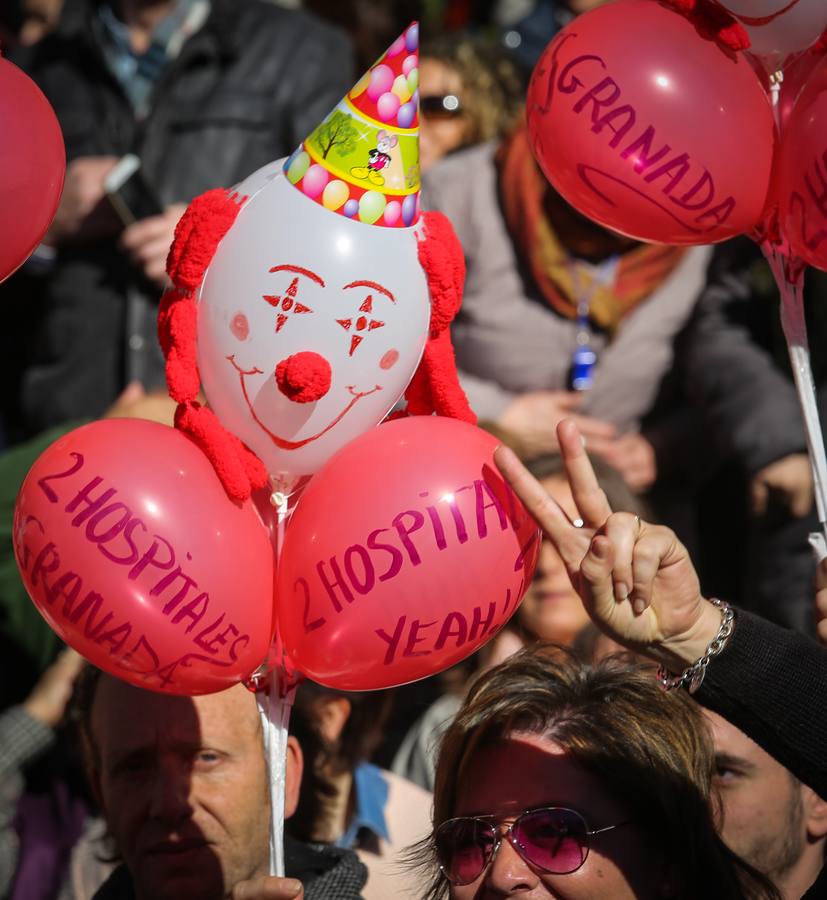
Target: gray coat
(509,341)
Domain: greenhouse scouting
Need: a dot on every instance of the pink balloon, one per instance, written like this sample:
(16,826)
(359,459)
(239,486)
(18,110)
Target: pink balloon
(801,173)
(405,554)
(388,106)
(381,80)
(32,170)
(396,47)
(133,553)
(411,62)
(392,212)
(667,140)
(315,180)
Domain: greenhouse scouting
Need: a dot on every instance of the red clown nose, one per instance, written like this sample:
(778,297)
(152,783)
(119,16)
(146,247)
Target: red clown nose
(304,377)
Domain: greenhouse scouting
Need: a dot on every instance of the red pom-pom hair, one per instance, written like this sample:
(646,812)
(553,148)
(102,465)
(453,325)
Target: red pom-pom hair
(715,20)
(207,219)
(197,236)
(435,387)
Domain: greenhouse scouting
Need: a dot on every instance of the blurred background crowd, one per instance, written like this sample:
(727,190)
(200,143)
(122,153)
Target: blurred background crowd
(670,360)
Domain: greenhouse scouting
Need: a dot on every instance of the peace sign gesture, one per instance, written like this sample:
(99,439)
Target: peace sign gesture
(636,580)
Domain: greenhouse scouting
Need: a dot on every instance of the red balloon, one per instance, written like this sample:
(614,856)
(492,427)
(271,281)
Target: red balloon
(801,175)
(33,165)
(650,129)
(405,554)
(135,556)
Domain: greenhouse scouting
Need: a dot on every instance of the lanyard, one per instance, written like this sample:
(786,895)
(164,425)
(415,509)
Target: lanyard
(584,357)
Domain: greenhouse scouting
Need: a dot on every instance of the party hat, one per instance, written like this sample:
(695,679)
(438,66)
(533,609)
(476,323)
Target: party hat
(362,161)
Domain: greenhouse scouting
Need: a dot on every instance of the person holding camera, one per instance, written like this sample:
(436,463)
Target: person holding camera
(159,100)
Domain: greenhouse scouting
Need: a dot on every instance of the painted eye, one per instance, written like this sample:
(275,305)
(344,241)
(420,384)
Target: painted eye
(360,325)
(287,305)
(240,327)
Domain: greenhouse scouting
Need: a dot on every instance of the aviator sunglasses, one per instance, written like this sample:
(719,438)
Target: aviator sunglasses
(554,839)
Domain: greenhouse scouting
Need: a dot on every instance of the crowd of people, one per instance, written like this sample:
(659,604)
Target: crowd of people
(625,735)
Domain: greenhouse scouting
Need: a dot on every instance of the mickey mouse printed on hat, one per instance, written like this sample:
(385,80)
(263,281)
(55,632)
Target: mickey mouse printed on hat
(362,161)
(303,321)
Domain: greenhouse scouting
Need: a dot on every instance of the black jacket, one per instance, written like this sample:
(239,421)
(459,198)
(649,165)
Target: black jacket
(244,90)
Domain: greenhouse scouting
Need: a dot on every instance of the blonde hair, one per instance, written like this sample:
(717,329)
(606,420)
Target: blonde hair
(492,86)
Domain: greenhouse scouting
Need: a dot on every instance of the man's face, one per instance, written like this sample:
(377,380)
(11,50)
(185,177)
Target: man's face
(183,786)
(764,820)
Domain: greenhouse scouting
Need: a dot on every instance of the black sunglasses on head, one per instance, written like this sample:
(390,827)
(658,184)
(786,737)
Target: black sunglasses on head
(440,106)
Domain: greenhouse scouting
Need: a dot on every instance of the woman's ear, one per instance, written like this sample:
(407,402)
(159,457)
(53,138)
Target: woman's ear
(333,713)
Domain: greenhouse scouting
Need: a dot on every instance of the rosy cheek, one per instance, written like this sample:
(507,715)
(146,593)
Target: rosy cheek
(240,327)
(389,360)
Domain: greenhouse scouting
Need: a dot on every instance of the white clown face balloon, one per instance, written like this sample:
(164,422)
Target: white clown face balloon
(779,28)
(349,301)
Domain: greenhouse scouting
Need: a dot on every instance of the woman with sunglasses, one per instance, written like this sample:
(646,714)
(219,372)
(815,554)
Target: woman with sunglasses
(559,780)
(470,91)
(640,588)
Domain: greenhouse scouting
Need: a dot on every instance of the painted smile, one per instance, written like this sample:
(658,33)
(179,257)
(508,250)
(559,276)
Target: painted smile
(279,441)
(765,20)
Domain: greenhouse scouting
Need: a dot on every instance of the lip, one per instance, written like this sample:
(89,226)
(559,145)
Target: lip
(281,442)
(176,848)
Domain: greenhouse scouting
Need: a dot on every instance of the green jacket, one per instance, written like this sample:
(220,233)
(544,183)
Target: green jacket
(21,625)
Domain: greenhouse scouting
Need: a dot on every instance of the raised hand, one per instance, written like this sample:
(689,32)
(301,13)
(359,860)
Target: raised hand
(636,580)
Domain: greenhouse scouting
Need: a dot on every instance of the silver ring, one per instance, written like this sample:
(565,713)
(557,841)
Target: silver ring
(578,523)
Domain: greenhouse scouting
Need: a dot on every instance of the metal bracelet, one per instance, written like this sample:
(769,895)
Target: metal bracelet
(693,677)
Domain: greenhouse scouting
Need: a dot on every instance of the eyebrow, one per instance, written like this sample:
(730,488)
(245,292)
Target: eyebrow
(300,271)
(734,762)
(373,286)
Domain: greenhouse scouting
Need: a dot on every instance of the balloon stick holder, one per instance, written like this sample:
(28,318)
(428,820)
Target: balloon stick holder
(275,702)
(790,280)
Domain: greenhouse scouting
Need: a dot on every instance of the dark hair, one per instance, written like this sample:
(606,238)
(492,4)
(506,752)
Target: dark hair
(361,735)
(650,749)
(620,496)
(79,712)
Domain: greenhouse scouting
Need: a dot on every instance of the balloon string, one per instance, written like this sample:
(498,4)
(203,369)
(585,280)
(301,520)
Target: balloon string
(795,332)
(275,705)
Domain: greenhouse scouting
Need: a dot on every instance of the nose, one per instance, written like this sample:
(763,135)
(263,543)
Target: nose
(548,562)
(169,793)
(303,377)
(509,873)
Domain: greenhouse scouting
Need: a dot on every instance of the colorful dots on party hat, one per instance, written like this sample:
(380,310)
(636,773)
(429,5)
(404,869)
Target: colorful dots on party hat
(396,74)
(335,195)
(371,206)
(362,161)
